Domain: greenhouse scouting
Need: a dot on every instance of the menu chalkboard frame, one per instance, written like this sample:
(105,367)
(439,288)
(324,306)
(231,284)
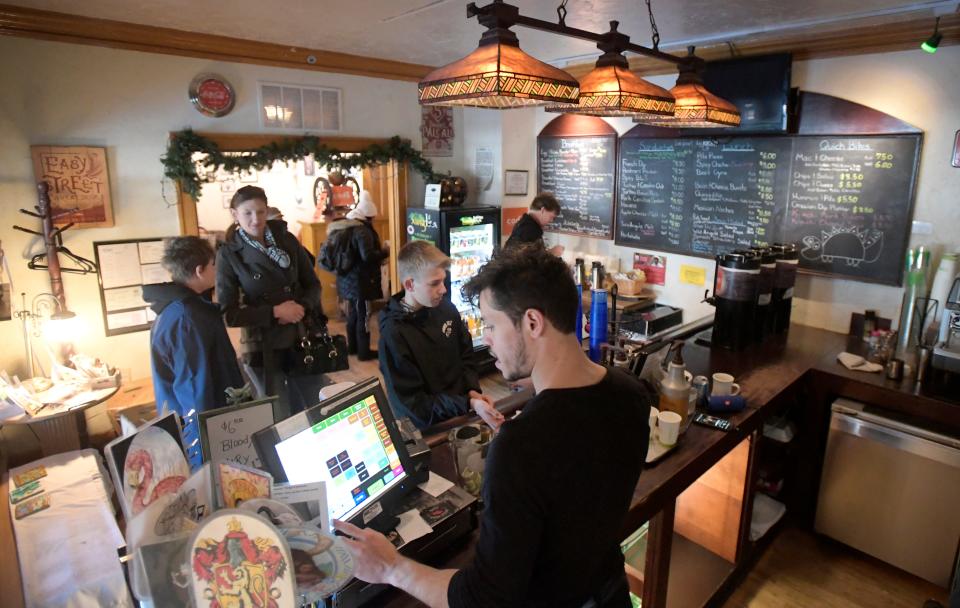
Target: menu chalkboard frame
(577,126)
(917,138)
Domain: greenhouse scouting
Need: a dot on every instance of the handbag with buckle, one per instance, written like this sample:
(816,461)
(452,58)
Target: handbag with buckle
(317,352)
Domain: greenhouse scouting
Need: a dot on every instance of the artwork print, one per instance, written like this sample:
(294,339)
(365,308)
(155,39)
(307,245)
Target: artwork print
(322,564)
(154,466)
(239,560)
(436,130)
(238,483)
(276,512)
(79,184)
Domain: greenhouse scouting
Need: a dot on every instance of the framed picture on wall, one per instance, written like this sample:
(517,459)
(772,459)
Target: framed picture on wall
(515,182)
(79,184)
(956,150)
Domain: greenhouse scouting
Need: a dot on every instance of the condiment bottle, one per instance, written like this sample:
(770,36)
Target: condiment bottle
(675,389)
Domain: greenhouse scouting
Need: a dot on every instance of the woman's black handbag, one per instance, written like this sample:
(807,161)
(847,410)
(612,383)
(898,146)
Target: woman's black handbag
(317,352)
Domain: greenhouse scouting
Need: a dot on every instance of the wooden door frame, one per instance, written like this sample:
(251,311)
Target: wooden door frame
(395,194)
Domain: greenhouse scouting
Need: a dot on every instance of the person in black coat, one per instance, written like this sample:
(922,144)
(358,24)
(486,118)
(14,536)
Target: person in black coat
(426,353)
(361,283)
(266,285)
(529,228)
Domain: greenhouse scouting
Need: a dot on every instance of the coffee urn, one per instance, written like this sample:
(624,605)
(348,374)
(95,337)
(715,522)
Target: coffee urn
(784,278)
(735,285)
(768,267)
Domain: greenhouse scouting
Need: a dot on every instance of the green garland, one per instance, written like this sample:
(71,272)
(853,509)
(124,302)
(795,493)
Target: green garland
(180,166)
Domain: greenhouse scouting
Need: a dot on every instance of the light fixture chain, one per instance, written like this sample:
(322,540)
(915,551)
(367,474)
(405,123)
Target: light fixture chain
(562,12)
(653,28)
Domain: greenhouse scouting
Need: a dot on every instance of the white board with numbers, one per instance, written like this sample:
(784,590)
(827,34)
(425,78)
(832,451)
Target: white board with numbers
(225,433)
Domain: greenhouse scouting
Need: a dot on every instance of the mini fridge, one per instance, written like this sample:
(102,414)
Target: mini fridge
(470,236)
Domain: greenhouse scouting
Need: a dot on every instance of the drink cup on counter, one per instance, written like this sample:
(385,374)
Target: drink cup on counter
(724,385)
(654,412)
(669,425)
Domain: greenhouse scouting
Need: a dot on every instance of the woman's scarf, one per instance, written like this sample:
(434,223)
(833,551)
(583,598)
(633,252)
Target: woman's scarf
(280,257)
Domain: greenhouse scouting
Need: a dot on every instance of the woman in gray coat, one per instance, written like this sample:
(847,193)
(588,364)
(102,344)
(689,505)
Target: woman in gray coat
(266,285)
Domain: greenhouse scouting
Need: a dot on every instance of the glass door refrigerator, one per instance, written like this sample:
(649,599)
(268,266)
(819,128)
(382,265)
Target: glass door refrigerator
(470,236)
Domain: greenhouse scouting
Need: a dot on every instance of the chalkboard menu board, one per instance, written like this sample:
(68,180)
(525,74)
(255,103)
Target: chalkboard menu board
(581,172)
(847,200)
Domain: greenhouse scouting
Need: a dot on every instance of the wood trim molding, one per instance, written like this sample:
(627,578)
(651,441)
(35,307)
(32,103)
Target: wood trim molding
(61,27)
(812,44)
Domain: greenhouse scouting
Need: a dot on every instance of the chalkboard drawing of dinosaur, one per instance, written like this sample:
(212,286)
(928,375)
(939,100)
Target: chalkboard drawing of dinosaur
(852,245)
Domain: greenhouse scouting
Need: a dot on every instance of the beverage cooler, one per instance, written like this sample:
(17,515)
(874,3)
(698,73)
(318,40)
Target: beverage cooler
(470,236)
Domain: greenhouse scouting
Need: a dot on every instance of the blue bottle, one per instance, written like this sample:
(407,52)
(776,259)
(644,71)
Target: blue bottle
(598,323)
(579,314)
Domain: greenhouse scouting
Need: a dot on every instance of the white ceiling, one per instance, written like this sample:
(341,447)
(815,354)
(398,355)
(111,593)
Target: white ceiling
(436,32)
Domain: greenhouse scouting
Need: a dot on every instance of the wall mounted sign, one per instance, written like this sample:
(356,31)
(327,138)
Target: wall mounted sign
(212,95)
(515,182)
(79,184)
(436,130)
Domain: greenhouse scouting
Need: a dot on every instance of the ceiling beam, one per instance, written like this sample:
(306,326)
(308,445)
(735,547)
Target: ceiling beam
(812,44)
(61,27)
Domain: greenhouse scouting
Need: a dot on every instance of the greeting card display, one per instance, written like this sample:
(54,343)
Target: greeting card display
(276,512)
(237,483)
(148,464)
(238,558)
(321,562)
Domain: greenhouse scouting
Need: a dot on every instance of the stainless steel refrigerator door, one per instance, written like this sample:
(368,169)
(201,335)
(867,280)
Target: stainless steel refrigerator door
(892,494)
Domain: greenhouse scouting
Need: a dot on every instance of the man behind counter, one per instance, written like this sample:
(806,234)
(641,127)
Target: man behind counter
(529,228)
(425,350)
(558,479)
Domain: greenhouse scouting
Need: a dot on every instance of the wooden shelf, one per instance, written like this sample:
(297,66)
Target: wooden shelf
(695,574)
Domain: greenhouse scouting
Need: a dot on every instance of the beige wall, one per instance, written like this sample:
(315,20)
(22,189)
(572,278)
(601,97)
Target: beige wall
(62,94)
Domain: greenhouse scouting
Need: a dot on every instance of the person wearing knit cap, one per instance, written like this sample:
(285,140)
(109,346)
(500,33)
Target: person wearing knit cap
(361,282)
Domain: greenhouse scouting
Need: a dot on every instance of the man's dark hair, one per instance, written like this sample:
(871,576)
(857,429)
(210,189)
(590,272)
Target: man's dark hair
(524,277)
(545,200)
(182,255)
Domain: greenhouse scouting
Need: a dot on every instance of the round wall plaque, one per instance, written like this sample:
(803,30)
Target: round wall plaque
(212,95)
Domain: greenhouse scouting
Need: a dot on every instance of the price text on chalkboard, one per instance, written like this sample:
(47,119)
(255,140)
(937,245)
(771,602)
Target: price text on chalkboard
(847,201)
(581,172)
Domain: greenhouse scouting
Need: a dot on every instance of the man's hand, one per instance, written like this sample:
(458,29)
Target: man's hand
(483,405)
(288,312)
(374,556)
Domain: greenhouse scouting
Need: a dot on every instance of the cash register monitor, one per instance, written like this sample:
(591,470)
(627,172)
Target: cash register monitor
(351,443)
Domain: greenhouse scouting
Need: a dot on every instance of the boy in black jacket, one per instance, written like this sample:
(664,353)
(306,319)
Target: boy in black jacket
(425,348)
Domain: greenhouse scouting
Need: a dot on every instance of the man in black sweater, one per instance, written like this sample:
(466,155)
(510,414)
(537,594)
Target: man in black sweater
(425,350)
(558,479)
(529,228)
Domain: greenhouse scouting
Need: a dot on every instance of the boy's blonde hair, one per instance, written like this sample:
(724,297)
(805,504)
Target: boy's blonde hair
(416,257)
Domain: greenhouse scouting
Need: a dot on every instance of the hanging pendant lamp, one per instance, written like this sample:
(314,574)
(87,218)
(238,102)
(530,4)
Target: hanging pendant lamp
(498,74)
(611,89)
(696,107)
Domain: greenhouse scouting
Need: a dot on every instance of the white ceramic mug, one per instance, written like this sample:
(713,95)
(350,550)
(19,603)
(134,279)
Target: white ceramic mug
(669,425)
(654,412)
(724,385)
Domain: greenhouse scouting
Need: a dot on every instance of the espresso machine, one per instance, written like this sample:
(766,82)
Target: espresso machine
(946,354)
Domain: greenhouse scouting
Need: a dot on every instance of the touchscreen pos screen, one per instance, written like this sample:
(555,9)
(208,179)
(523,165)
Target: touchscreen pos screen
(351,450)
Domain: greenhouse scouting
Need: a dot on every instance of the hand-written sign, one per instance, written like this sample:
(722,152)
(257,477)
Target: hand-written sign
(846,200)
(78,179)
(225,433)
(580,171)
